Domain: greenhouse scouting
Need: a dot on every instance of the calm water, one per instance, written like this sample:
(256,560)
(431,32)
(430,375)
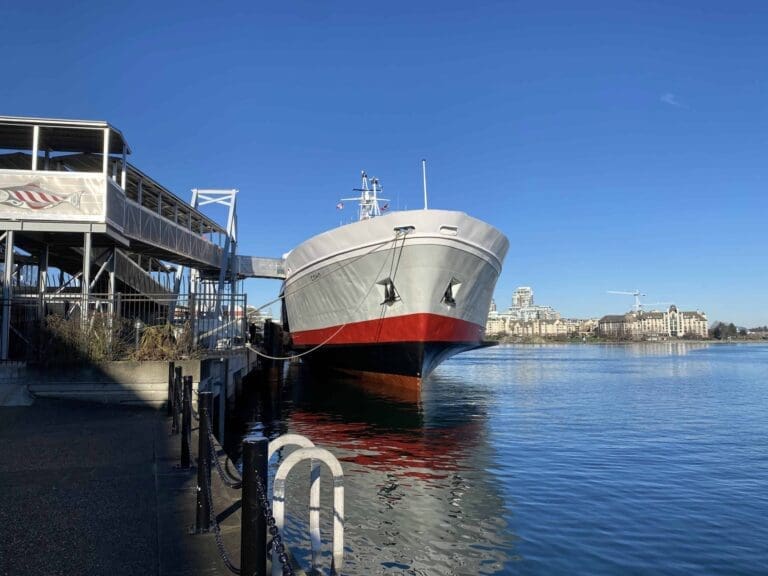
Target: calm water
(637,459)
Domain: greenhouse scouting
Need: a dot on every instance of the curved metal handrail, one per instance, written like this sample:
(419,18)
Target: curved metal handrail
(278,500)
(314,488)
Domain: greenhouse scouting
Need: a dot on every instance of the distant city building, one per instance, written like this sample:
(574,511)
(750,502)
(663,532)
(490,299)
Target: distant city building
(522,297)
(524,309)
(548,328)
(672,323)
(524,318)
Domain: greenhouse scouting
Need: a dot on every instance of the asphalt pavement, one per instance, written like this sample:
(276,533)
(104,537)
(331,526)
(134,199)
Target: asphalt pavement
(90,489)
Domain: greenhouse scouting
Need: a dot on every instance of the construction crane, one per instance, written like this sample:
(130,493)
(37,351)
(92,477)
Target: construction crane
(635,293)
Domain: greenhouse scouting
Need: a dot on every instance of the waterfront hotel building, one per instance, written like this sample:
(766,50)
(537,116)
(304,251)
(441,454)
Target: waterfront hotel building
(672,323)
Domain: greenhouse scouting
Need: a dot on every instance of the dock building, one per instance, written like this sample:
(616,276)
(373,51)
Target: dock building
(87,237)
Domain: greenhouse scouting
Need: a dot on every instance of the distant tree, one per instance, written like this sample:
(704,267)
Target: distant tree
(742,331)
(722,330)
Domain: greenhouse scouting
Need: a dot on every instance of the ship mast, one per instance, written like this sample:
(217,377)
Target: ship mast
(368,201)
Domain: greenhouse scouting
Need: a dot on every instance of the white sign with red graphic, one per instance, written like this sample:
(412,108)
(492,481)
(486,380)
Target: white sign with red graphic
(51,197)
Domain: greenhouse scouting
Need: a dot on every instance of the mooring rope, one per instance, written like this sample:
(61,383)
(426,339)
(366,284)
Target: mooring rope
(344,265)
(360,304)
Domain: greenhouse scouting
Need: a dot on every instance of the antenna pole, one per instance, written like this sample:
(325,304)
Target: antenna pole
(424,177)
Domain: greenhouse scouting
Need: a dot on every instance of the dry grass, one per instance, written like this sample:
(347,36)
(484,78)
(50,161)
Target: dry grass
(103,338)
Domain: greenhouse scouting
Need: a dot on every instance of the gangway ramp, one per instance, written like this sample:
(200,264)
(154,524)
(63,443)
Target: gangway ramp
(260,267)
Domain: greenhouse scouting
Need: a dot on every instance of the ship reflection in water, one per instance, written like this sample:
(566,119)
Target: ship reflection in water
(418,497)
(561,459)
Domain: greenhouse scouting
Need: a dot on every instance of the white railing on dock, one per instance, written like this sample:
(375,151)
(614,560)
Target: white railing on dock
(308,451)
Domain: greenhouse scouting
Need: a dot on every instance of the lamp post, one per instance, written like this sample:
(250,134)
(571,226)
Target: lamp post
(137,325)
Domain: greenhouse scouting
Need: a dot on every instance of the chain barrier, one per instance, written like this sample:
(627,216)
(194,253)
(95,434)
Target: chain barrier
(277,540)
(237,484)
(217,533)
(226,477)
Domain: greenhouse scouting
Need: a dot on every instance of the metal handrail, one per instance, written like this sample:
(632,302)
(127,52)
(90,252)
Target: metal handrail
(314,489)
(278,499)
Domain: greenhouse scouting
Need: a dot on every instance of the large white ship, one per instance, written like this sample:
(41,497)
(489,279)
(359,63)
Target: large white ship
(392,294)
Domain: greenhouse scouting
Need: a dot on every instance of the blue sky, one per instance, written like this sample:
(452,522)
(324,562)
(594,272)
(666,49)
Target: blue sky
(619,145)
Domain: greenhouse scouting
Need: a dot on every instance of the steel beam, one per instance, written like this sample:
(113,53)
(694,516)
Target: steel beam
(86,280)
(5,329)
(42,280)
(123,174)
(35,145)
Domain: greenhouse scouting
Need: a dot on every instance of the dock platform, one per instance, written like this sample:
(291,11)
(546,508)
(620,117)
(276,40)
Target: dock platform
(95,489)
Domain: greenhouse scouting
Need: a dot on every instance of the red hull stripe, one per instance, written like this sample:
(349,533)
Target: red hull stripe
(409,328)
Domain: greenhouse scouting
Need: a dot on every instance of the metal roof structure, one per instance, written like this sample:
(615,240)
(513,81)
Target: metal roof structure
(16,133)
(147,192)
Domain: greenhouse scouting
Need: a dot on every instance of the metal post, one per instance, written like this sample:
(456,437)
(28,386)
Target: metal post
(86,279)
(123,172)
(224,392)
(35,145)
(193,306)
(5,331)
(203,518)
(171,376)
(186,421)
(175,393)
(268,342)
(118,305)
(178,379)
(112,282)
(42,281)
(253,533)
(105,158)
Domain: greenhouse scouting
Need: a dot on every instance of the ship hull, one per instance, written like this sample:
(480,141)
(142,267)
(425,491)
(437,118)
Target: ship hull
(393,296)
(402,349)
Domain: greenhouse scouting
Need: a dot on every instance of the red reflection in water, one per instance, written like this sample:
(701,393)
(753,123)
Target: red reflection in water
(425,453)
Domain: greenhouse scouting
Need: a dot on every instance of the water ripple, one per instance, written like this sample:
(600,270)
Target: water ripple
(550,460)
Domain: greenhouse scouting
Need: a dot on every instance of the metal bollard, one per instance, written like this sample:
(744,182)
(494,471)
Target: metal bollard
(253,533)
(170,388)
(203,517)
(179,380)
(176,404)
(186,421)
